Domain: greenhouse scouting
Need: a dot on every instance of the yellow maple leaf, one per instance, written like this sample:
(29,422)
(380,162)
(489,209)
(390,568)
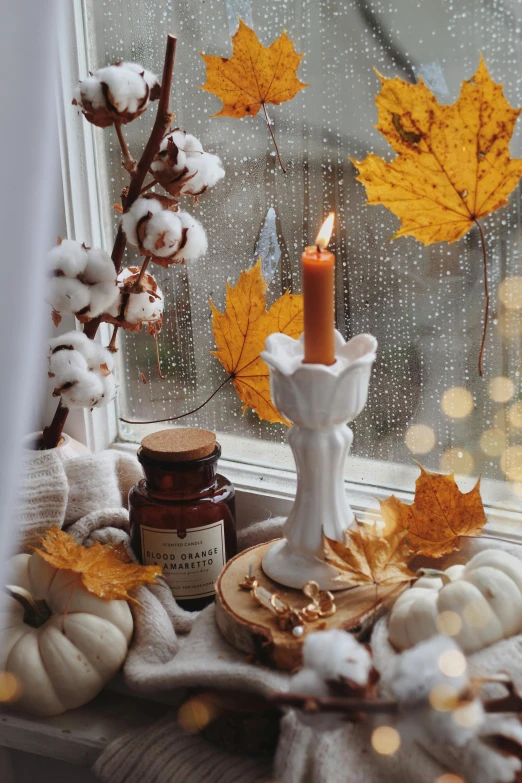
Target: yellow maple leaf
(453,164)
(365,558)
(440,516)
(240,333)
(105,569)
(254,76)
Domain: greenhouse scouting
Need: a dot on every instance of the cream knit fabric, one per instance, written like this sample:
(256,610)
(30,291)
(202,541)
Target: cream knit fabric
(42,497)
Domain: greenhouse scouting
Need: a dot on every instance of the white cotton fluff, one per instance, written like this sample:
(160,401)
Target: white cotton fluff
(125,96)
(143,307)
(425,693)
(183,167)
(329,657)
(81,371)
(161,231)
(83,279)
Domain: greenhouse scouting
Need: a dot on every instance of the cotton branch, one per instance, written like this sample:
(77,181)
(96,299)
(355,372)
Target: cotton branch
(53,433)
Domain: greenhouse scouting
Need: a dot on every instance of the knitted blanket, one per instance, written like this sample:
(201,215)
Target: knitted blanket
(173,648)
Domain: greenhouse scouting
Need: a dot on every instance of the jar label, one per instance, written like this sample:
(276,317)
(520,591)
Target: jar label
(192,563)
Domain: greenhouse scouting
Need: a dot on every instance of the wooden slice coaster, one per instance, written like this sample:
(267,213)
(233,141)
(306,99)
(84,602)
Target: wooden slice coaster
(252,628)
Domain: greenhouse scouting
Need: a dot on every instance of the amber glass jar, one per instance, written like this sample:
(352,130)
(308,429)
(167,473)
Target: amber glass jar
(182,514)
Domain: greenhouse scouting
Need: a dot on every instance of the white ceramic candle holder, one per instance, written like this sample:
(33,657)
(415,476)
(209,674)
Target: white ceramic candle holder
(319,400)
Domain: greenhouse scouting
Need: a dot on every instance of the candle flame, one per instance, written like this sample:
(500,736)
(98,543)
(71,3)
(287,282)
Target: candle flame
(325,232)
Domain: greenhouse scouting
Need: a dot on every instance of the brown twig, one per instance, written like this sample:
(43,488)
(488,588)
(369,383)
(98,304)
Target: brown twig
(123,144)
(151,184)
(512,703)
(53,433)
(486,294)
(273,138)
(112,345)
(182,415)
(139,279)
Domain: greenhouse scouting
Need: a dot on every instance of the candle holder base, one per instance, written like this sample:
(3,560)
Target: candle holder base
(294,569)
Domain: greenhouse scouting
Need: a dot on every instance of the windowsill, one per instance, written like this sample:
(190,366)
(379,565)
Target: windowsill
(265,480)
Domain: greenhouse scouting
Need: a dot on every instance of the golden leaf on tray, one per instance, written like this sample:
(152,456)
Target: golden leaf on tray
(367,558)
(240,333)
(105,569)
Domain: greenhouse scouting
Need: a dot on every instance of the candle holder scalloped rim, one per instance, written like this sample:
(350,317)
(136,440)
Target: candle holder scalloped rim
(319,400)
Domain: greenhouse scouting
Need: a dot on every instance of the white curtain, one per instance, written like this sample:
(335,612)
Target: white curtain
(29,191)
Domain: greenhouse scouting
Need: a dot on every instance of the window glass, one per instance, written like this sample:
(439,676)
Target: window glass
(424,305)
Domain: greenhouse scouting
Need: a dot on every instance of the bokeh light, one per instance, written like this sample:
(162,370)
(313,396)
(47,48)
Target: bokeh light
(449,623)
(386,740)
(469,715)
(509,324)
(196,713)
(493,442)
(419,438)
(499,419)
(443,697)
(452,663)
(10,688)
(517,488)
(510,292)
(457,402)
(515,414)
(457,461)
(501,389)
(449,777)
(511,463)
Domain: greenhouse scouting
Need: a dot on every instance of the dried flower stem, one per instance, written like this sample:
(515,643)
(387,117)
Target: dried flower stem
(53,433)
(123,144)
(112,345)
(182,415)
(486,294)
(512,703)
(151,184)
(138,282)
(269,125)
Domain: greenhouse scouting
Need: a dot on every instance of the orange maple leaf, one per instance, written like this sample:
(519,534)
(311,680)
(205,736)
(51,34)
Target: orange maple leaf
(254,76)
(366,558)
(105,569)
(240,333)
(440,516)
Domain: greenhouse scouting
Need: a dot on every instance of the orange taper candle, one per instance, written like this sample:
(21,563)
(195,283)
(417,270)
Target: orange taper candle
(318,292)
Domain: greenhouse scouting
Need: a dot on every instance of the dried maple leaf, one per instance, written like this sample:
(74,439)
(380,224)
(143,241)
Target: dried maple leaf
(365,558)
(105,569)
(240,333)
(440,516)
(453,165)
(254,76)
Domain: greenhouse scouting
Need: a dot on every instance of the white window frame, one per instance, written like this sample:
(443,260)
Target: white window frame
(263,489)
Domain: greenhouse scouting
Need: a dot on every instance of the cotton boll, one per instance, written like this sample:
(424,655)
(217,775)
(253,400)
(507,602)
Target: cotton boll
(67,296)
(102,297)
(435,707)
(66,366)
(196,244)
(116,93)
(100,357)
(67,257)
(163,234)
(109,391)
(86,392)
(187,142)
(202,173)
(337,655)
(170,155)
(140,209)
(72,340)
(144,307)
(99,268)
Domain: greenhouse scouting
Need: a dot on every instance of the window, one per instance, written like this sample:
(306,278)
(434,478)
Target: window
(424,305)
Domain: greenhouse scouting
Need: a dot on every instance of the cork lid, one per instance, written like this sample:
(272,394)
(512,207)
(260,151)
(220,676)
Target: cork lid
(179,445)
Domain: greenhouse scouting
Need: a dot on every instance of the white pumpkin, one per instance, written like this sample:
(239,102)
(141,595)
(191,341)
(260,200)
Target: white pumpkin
(81,642)
(486,594)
